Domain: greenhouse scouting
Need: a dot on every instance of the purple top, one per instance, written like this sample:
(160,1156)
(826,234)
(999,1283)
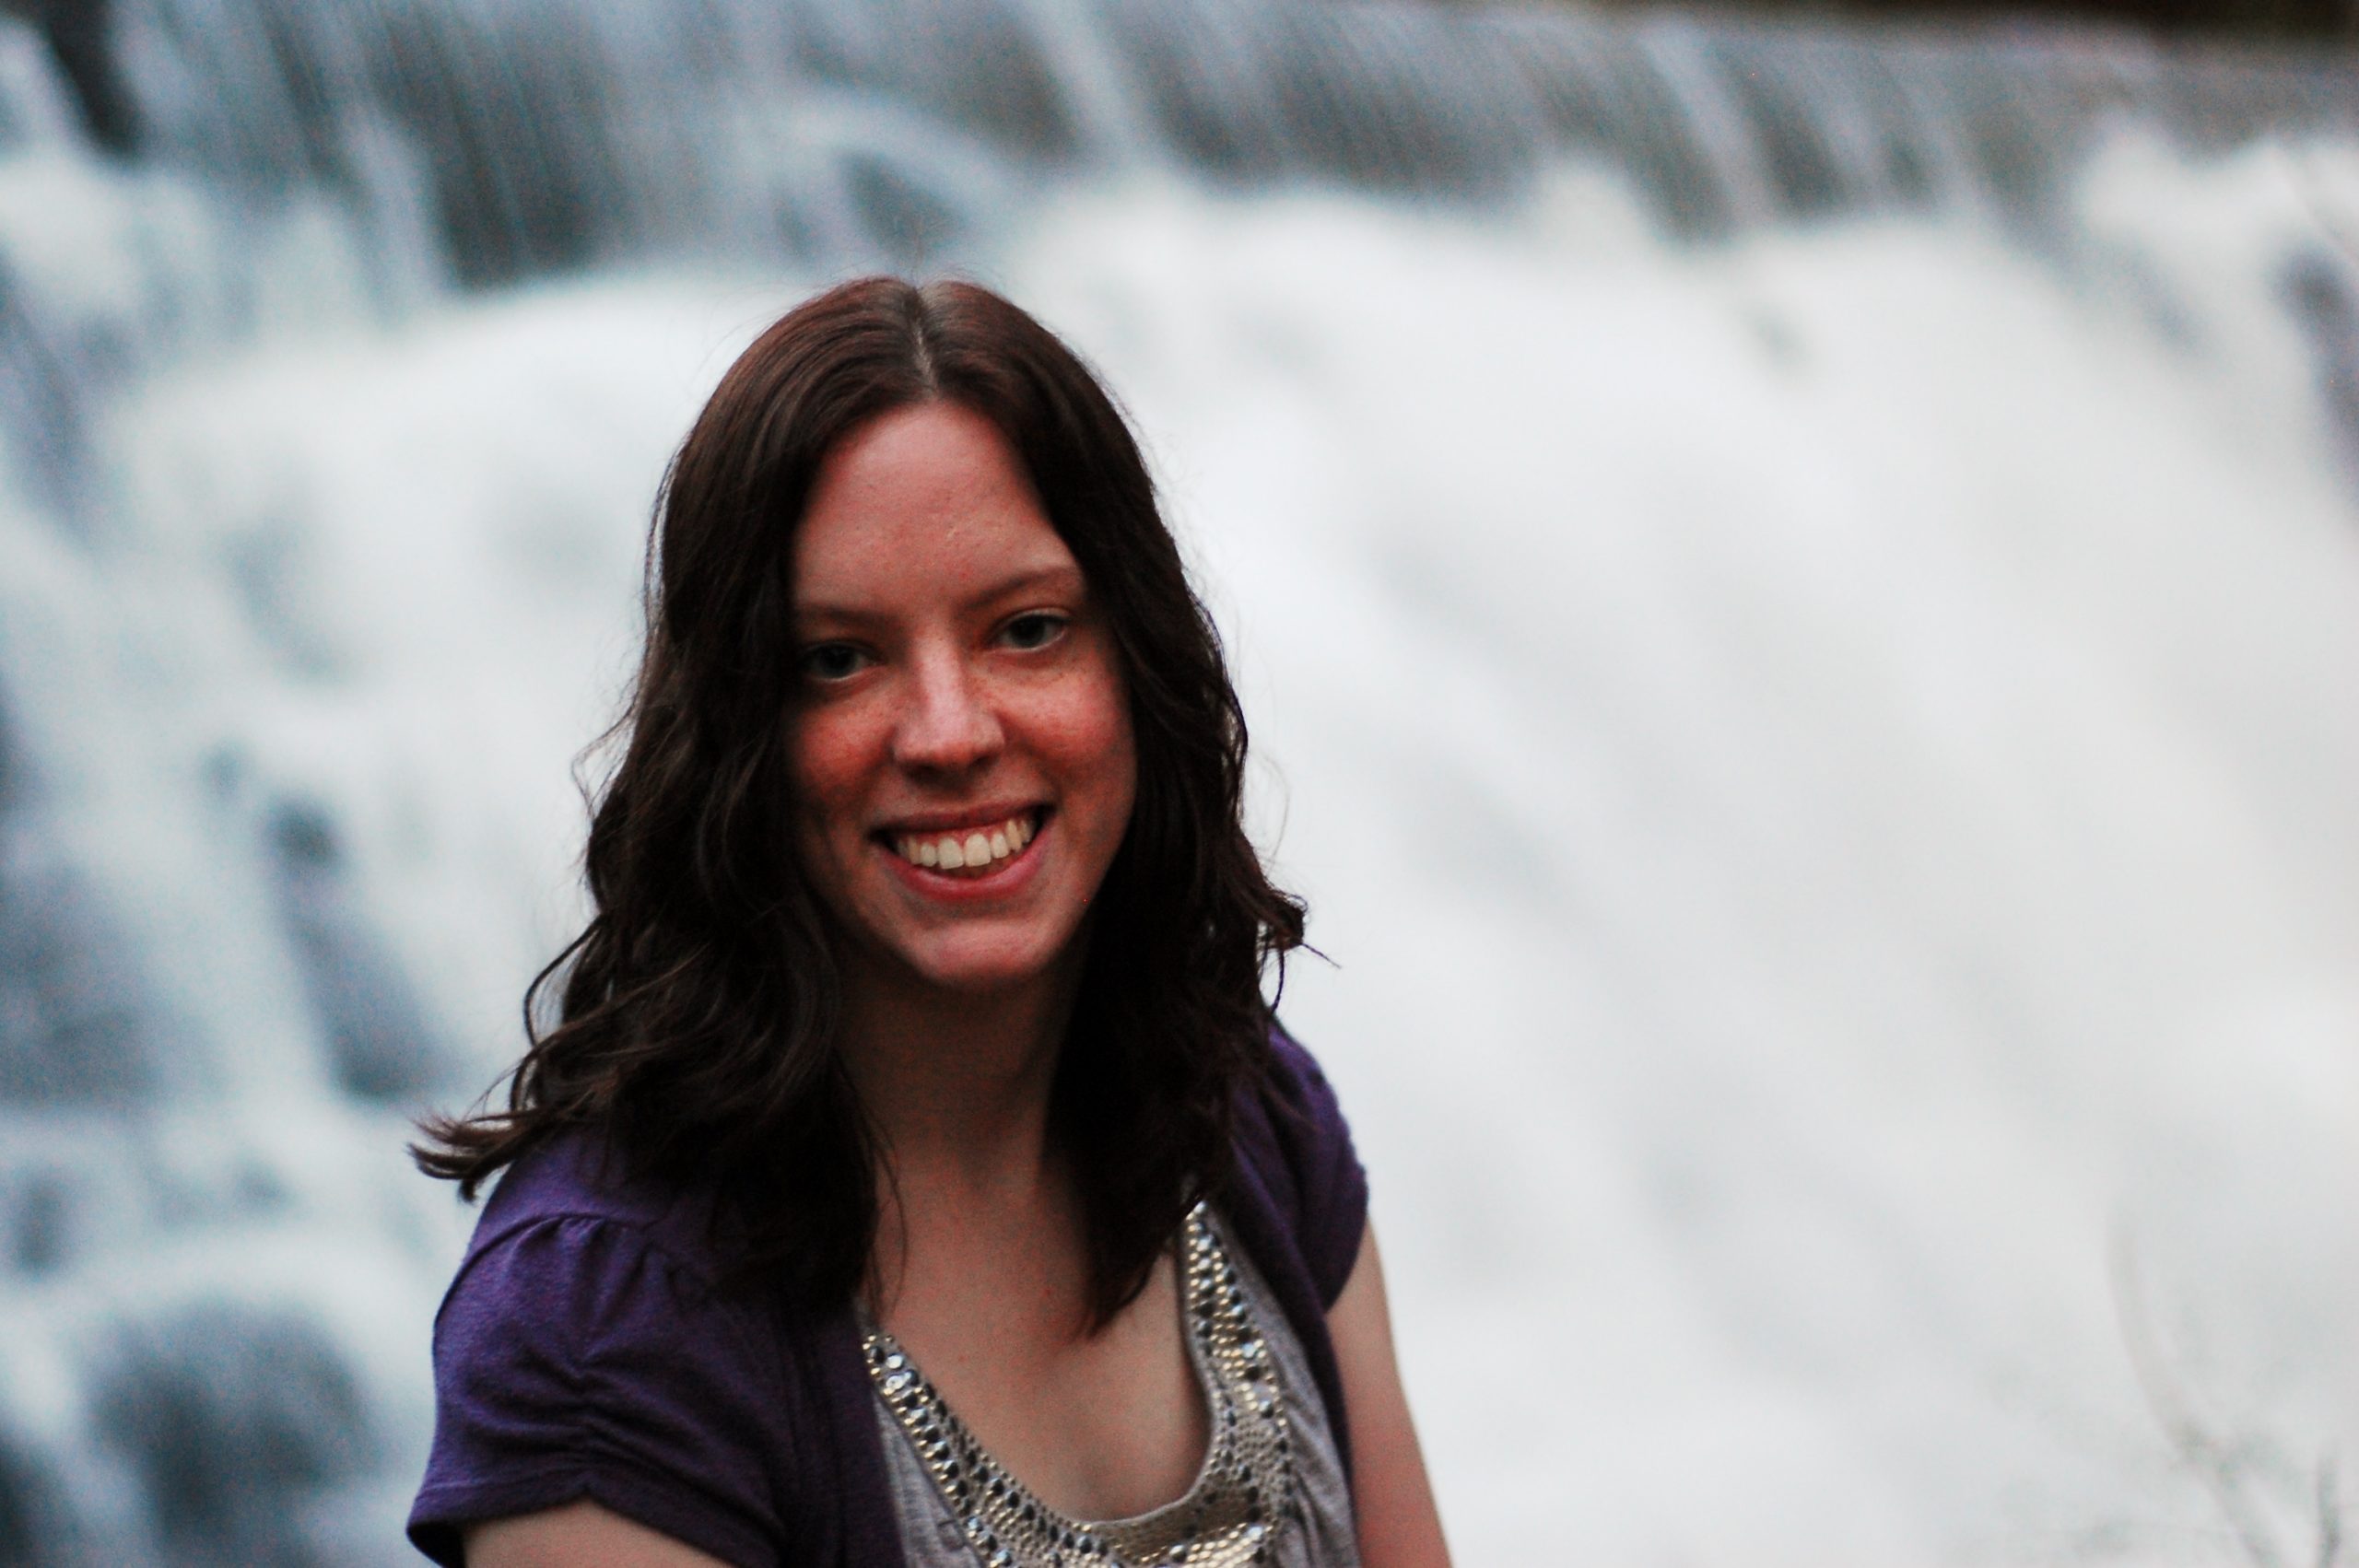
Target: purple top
(584,1351)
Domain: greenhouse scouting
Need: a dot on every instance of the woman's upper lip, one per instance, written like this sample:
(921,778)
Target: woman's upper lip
(966,818)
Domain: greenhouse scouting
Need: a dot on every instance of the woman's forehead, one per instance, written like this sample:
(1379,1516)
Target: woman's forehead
(924,503)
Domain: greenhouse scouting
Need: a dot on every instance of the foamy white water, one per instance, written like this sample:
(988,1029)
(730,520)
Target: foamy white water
(1822,761)
(1823,764)
(1826,767)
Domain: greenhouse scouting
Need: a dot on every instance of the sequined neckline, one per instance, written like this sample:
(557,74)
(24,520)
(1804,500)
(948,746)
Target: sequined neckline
(1228,1519)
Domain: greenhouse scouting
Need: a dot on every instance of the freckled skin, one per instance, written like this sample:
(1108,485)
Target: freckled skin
(952,664)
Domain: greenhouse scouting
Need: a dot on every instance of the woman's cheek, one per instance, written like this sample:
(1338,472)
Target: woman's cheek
(830,740)
(828,773)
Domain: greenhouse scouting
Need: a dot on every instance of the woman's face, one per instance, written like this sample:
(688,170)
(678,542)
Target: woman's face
(964,768)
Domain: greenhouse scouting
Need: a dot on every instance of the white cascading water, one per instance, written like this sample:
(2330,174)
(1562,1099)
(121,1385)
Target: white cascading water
(1814,709)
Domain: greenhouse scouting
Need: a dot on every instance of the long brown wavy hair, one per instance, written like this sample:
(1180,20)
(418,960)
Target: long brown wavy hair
(696,1027)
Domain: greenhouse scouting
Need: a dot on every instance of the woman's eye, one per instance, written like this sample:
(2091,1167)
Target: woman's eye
(830,661)
(1035,630)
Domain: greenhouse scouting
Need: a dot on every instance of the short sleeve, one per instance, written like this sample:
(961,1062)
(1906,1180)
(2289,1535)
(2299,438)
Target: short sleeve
(1330,1196)
(573,1359)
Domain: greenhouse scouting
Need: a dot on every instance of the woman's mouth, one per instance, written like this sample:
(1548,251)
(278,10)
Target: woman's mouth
(968,852)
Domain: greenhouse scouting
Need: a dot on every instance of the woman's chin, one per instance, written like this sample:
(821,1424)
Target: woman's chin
(981,966)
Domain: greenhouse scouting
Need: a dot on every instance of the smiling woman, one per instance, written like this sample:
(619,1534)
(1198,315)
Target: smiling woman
(963,761)
(915,1170)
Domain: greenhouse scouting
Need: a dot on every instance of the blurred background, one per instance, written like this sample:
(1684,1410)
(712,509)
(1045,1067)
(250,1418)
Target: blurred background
(1795,573)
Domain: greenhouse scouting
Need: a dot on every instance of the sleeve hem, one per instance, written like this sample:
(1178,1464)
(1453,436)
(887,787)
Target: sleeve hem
(444,1510)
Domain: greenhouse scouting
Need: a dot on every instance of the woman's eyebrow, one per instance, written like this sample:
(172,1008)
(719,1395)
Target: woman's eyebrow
(1055,577)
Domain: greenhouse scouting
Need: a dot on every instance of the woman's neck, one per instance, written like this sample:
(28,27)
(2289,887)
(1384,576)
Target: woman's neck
(959,1088)
(959,1084)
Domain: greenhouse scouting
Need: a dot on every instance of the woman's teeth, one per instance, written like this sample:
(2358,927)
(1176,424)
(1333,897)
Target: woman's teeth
(976,851)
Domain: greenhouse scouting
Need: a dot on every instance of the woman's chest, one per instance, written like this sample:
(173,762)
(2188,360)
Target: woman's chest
(1099,1424)
(1262,1483)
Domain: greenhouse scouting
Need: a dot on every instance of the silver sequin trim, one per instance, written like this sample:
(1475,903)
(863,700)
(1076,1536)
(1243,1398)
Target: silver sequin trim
(1227,1520)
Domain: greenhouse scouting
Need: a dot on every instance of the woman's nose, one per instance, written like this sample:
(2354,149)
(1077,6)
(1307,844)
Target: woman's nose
(948,724)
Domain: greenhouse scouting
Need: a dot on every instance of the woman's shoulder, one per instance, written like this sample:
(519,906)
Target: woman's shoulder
(579,1272)
(1296,1158)
(577,1184)
(1295,1075)
(584,1349)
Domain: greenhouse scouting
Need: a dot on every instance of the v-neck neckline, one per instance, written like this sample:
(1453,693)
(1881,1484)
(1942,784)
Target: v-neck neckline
(989,1502)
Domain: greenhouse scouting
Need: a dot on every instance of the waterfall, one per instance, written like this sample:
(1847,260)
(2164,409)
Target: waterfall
(1798,591)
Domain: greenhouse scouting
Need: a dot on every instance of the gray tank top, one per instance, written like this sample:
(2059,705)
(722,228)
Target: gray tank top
(1270,1490)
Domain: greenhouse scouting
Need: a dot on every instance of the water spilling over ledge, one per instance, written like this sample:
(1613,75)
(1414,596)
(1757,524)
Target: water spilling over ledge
(1798,585)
